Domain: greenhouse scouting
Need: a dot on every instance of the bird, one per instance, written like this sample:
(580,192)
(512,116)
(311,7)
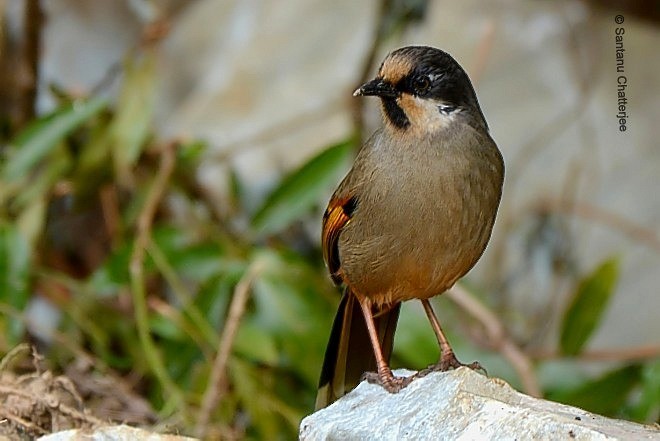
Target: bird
(411,217)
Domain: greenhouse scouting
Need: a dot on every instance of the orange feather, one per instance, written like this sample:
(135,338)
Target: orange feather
(336,216)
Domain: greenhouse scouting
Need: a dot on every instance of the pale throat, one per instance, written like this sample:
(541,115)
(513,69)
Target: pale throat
(428,115)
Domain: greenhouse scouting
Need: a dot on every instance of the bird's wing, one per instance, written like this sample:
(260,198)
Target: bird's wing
(336,216)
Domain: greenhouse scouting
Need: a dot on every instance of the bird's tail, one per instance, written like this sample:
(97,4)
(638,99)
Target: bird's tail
(349,353)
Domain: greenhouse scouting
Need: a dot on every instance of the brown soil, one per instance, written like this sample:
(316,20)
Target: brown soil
(35,402)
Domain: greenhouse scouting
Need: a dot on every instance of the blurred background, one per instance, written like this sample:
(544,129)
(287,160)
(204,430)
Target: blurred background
(165,166)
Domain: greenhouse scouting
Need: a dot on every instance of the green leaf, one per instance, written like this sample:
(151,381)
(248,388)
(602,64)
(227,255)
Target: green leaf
(587,306)
(43,135)
(256,344)
(213,299)
(92,161)
(166,329)
(132,124)
(14,274)
(302,189)
(113,275)
(285,290)
(253,387)
(41,183)
(606,395)
(191,152)
(31,220)
(647,405)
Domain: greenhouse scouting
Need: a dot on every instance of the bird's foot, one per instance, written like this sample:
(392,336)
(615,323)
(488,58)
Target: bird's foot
(387,380)
(447,362)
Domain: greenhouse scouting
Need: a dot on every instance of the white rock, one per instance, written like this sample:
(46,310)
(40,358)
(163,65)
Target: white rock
(460,405)
(112,433)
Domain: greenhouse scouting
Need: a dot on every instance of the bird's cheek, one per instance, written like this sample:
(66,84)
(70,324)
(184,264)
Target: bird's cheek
(413,110)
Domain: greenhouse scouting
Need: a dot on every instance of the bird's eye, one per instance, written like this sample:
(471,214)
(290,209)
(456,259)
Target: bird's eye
(421,84)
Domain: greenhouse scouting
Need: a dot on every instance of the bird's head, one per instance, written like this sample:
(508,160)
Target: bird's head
(423,90)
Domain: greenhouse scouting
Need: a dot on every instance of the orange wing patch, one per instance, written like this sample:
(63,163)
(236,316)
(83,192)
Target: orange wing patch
(336,216)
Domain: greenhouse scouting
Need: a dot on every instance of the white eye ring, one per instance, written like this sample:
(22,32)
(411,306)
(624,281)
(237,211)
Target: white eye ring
(446,109)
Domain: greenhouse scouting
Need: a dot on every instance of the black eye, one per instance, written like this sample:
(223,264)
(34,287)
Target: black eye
(421,84)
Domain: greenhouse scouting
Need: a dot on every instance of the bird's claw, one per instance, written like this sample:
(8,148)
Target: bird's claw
(448,362)
(389,382)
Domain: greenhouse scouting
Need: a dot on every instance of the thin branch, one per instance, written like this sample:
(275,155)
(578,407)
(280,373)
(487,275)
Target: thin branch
(22,422)
(277,130)
(586,210)
(148,213)
(62,339)
(498,338)
(31,51)
(178,319)
(138,284)
(191,314)
(357,105)
(49,401)
(17,352)
(216,387)
(646,352)
(111,213)
(152,34)
(483,51)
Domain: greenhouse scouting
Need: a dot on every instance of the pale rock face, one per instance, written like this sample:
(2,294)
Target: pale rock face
(114,433)
(460,405)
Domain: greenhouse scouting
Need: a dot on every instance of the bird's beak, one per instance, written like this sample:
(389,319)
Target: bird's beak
(377,87)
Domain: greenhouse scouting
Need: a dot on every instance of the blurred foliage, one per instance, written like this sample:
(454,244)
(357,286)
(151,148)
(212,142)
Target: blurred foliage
(587,306)
(606,395)
(74,187)
(75,192)
(303,189)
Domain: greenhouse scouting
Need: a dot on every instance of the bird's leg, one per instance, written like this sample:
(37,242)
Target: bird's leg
(384,375)
(448,359)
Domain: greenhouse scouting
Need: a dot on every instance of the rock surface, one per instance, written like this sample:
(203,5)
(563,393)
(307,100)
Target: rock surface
(112,433)
(460,404)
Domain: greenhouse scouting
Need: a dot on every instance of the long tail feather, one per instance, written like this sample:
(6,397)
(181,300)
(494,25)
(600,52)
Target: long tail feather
(349,353)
